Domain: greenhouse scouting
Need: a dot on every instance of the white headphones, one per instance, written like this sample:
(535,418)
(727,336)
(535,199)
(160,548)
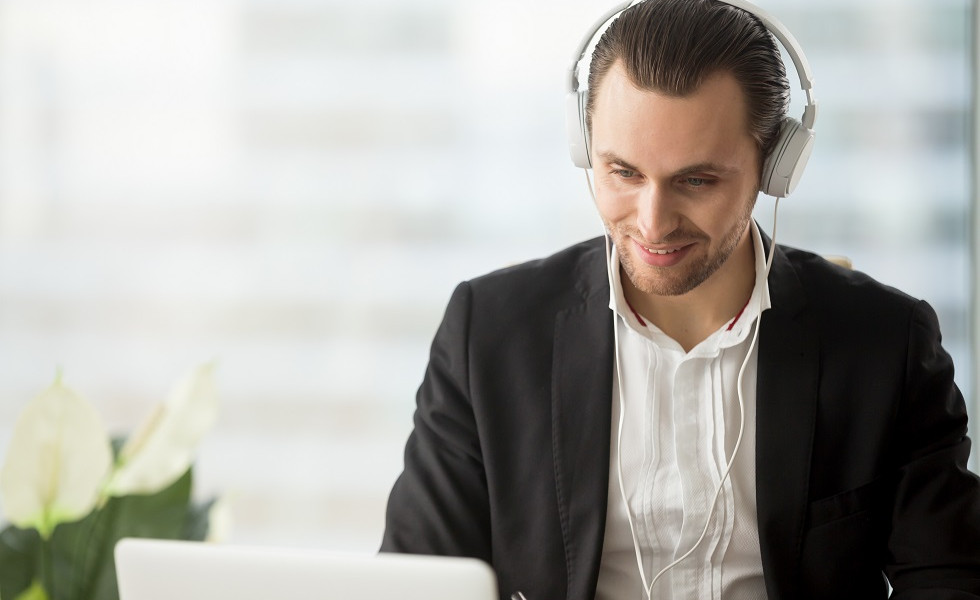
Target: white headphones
(784,165)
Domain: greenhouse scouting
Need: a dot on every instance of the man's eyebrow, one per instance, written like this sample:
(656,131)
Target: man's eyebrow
(708,166)
(613,158)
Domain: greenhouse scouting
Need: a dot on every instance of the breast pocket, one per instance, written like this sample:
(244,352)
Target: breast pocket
(843,545)
(844,505)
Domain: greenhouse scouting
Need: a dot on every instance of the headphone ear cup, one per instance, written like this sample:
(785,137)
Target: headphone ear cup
(578,134)
(785,164)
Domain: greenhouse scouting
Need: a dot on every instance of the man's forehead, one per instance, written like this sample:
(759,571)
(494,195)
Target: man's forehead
(708,126)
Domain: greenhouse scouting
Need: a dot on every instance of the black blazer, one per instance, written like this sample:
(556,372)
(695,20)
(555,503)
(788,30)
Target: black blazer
(861,445)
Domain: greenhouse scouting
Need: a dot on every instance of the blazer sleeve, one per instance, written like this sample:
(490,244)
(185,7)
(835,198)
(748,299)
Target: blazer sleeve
(934,539)
(439,504)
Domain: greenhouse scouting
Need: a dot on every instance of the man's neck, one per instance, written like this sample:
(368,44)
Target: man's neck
(690,318)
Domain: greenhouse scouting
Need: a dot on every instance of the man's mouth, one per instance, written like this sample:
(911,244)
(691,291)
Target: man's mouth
(654,251)
(665,256)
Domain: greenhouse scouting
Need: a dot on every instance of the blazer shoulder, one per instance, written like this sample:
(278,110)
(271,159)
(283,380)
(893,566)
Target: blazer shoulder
(575,273)
(835,288)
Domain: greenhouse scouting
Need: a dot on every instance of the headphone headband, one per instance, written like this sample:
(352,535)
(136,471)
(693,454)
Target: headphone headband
(783,167)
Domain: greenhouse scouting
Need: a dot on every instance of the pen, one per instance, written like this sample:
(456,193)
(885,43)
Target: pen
(517,596)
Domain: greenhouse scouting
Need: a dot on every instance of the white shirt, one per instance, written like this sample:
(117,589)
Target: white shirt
(680,428)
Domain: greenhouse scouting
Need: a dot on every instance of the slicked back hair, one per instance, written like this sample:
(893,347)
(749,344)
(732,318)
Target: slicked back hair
(672,46)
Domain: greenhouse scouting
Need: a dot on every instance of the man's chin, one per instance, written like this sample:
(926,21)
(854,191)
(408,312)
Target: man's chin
(664,284)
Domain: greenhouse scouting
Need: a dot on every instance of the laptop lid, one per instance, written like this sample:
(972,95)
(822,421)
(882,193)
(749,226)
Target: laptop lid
(164,570)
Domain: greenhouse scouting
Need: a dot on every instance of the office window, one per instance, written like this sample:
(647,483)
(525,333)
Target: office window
(294,187)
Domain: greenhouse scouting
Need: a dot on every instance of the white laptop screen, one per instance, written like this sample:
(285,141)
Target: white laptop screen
(164,570)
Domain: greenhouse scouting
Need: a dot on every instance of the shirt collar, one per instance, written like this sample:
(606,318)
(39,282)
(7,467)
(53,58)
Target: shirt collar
(732,332)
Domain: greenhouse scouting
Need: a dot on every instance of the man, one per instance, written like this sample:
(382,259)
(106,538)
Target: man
(726,430)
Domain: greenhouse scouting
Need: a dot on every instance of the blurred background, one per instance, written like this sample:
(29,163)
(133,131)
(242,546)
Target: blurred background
(294,187)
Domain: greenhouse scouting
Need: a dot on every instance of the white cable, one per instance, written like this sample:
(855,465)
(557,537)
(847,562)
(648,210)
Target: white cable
(622,408)
(648,588)
(741,420)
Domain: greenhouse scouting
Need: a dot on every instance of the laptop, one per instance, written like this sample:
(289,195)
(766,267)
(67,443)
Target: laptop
(163,570)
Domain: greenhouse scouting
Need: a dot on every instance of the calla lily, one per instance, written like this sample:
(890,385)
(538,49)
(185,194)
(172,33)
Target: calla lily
(219,522)
(57,461)
(163,447)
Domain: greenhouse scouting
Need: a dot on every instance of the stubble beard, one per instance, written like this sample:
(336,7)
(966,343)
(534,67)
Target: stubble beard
(680,279)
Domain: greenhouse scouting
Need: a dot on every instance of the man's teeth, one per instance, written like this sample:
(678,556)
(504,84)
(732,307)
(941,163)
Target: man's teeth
(661,251)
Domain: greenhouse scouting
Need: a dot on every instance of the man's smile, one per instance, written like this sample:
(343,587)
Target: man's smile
(664,256)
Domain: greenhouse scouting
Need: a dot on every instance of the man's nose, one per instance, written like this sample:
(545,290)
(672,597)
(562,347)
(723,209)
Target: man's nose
(656,216)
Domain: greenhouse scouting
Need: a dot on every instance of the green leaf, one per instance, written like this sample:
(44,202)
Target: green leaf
(159,515)
(82,563)
(77,550)
(196,524)
(19,553)
(35,592)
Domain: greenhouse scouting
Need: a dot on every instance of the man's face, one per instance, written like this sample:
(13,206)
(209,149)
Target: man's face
(676,179)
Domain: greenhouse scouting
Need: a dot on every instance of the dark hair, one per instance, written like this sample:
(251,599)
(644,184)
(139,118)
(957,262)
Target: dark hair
(672,46)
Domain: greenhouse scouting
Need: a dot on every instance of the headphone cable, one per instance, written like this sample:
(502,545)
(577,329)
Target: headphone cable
(648,588)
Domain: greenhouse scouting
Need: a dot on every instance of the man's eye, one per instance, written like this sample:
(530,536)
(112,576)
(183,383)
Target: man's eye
(624,173)
(696,181)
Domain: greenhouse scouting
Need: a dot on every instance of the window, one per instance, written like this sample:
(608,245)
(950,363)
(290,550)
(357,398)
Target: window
(294,188)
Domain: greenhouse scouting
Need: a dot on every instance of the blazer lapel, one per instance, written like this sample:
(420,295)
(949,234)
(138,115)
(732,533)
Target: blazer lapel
(581,416)
(786,407)
(786,403)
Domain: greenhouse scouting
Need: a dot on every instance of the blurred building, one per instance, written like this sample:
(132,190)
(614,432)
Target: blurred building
(294,187)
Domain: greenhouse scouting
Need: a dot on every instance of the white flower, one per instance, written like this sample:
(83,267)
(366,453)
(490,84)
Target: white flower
(163,447)
(219,521)
(58,459)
